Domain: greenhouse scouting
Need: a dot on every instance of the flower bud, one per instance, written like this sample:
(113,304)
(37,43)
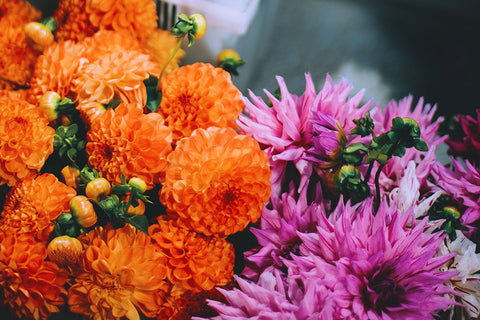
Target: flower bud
(328,140)
(199,25)
(48,103)
(65,251)
(98,189)
(82,211)
(38,36)
(137,184)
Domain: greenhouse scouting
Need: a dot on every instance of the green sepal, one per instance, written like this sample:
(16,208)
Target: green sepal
(420,145)
(121,189)
(139,222)
(231,65)
(364,126)
(49,23)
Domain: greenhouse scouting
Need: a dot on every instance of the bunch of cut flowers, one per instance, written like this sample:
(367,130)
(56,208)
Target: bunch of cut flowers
(134,187)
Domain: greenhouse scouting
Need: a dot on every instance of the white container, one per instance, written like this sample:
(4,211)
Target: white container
(227,21)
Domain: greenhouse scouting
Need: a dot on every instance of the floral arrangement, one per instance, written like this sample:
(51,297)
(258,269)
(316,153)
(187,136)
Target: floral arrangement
(134,187)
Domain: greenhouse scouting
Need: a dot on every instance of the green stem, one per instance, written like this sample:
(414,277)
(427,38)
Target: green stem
(376,203)
(369,172)
(179,43)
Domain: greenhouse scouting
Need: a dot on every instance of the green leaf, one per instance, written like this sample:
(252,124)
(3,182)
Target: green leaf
(57,141)
(81,145)
(63,149)
(61,131)
(71,130)
(72,154)
(356,147)
(352,158)
(143,197)
(139,222)
(420,145)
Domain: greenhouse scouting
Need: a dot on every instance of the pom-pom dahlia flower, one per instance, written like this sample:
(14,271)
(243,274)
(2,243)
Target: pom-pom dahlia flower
(26,140)
(78,19)
(199,96)
(217,181)
(55,69)
(33,204)
(285,129)
(116,75)
(17,59)
(194,262)
(31,286)
(107,41)
(129,141)
(72,21)
(136,16)
(123,274)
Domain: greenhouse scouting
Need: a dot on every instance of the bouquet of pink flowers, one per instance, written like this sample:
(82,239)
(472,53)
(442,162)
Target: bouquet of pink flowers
(134,187)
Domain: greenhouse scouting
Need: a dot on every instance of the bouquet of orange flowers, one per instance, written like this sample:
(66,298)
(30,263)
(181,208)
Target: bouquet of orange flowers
(133,187)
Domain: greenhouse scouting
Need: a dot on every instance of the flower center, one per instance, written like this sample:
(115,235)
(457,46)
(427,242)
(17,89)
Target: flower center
(383,292)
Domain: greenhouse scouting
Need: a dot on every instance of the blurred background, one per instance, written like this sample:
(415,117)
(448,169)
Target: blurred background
(392,48)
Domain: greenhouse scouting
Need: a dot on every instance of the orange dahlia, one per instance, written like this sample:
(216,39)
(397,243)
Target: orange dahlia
(13,94)
(26,140)
(123,274)
(160,45)
(89,111)
(72,21)
(55,69)
(191,304)
(199,96)
(17,59)
(33,204)
(136,16)
(115,75)
(32,288)
(194,262)
(129,141)
(108,41)
(20,8)
(217,181)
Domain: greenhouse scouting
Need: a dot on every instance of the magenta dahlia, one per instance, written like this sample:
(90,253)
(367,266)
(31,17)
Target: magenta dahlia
(280,223)
(356,265)
(463,185)
(285,128)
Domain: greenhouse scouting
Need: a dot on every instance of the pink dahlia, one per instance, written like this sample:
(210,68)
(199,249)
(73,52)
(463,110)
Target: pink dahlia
(463,185)
(269,298)
(285,128)
(382,268)
(279,226)
(356,265)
